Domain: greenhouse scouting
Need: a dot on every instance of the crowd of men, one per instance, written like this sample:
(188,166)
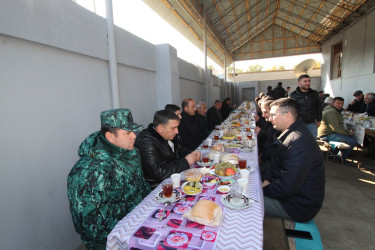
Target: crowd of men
(118,169)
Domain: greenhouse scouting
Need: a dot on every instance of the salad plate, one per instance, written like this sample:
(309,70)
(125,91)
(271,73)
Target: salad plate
(190,190)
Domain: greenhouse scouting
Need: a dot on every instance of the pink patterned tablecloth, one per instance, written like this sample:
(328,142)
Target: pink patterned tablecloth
(240,229)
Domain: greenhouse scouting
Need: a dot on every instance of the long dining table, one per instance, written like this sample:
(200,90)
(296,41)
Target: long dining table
(239,229)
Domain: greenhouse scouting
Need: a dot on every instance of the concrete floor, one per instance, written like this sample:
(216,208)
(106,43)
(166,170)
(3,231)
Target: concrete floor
(347,218)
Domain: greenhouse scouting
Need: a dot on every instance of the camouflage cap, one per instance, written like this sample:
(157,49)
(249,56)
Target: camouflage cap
(119,118)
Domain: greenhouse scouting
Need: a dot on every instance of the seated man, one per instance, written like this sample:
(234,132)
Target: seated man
(266,132)
(296,188)
(358,104)
(202,125)
(174,109)
(107,181)
(160,157)
(370,104)
(226,108)
(214,116)
(332,127)
(189,134)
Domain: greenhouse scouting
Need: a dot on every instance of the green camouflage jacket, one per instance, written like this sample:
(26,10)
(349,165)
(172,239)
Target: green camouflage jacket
(103,186)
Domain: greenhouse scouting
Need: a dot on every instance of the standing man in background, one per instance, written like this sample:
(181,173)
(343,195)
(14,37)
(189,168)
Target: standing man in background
(279,91)
(308,104)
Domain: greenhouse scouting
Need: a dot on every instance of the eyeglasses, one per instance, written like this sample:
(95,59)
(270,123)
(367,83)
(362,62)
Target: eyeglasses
(272,115)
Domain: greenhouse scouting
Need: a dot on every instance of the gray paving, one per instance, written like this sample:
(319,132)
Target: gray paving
(347,218)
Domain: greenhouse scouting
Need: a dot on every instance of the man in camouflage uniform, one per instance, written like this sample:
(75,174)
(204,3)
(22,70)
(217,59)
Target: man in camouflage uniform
(107,182)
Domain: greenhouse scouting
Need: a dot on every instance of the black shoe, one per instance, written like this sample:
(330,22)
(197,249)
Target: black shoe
(335,158)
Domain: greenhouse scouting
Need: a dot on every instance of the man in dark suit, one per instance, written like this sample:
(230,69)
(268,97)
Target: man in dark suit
(214,116)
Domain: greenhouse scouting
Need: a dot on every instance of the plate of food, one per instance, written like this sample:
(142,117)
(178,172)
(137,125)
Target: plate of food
(224,189)
(176,196)
(233,145)
(225,182)
(192,174)
(228,136)
(192,187)
(225,170)
(209,180)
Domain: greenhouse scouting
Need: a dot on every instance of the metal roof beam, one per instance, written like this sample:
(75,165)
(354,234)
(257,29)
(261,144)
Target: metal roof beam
(246,22)
(303,18)
(227,11)
(241,15)
(311,32)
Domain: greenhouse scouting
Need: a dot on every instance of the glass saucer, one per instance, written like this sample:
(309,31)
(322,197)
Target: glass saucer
(176,196)
(228,201)
(206,164)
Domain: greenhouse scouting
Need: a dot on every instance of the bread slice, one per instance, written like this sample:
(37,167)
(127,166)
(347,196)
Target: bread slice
(205,212)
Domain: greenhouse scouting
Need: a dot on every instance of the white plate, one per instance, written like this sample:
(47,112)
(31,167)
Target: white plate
(204,164)
(176,196)
(185,183)
(228,202)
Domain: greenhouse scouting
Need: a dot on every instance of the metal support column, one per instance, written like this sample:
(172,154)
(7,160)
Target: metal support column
(112,56)
(206,79)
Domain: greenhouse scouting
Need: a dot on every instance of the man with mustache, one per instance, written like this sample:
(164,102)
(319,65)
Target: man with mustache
(107,181)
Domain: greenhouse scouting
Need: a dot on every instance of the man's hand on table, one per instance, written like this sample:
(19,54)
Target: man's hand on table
(265,183)
(193,157)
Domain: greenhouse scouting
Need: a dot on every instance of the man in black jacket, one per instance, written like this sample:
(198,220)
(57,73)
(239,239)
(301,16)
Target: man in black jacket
(188,129)
(296,188)
(214,116)
(159,156)
(308,104)
(279,91)
(202,124)
(370,103)
(358,105)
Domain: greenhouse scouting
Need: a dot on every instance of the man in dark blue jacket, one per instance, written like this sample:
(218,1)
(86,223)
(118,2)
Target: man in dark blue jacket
(296,187)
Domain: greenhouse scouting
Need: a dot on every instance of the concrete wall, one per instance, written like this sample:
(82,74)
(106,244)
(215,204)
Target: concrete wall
(54,82)
(358,61)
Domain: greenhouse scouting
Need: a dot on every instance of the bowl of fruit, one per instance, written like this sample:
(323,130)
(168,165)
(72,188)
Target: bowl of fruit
(225,170)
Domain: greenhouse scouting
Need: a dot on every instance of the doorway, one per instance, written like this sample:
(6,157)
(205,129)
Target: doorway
(248,94)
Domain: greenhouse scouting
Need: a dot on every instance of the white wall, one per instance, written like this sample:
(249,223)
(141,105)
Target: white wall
(358,63)
(54,82)
(49,101)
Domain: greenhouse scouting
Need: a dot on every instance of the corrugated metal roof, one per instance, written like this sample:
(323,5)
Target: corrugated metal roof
(244,29)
